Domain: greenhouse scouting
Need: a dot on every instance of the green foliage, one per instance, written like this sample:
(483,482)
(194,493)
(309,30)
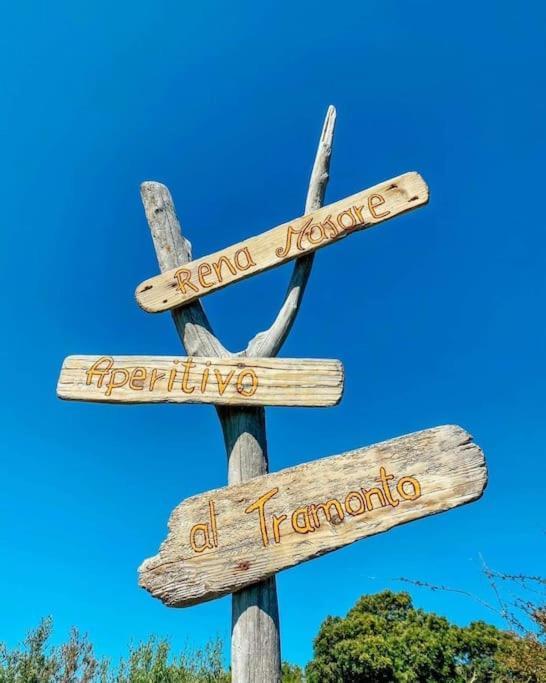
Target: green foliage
(292,673)
(151,662)
(524,659)
(37,661)
(75,662)
(385,639)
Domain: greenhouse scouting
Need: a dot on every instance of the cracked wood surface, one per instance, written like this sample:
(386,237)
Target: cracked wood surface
(176,379)
(226,539)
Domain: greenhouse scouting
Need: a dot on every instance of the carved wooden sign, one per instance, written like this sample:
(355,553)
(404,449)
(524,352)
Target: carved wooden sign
(226,539)
(283,243)
(235,381)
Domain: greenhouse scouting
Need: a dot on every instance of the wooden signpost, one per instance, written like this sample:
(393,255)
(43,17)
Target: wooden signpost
(234,539)
(224,540)
(283,243)
(230,381)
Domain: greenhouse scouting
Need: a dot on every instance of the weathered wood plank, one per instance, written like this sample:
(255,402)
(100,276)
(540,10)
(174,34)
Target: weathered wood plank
(229,538)
(301,236)
(226,381)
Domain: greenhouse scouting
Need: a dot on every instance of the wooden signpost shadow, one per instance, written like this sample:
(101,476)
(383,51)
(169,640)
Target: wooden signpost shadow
(234,540)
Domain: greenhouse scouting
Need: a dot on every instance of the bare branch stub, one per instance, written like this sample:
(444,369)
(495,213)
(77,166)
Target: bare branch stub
(174,250)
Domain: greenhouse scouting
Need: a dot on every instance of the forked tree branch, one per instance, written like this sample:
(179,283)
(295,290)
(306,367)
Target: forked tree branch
(268,343)
(173,250)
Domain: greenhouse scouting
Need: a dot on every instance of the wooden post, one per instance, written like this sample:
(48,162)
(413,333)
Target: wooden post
(255,641)
(255,629)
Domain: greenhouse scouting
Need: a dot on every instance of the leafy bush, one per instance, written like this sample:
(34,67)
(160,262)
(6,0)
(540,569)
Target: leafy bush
(385,639)
(37,661)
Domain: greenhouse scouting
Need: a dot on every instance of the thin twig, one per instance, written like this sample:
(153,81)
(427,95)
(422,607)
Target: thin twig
(522,579)
(447,589)
(500,611)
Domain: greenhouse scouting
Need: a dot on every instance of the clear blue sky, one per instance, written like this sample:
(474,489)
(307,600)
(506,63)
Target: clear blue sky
(441,318)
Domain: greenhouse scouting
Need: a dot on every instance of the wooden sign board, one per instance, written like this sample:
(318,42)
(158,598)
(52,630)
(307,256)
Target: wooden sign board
(281,244)
(227,381)
(221,541)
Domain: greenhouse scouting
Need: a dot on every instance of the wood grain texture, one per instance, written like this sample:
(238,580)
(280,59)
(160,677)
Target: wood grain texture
(227,539)
(228,381)
(301,236)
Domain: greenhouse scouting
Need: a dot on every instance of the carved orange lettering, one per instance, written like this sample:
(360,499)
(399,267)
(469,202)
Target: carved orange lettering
(188,364)
(172,377)
(243,388)
(205,378)
(155,377)
(299,527)
(213,526)
(277,521)
(137,379)
(101,372)
(415,485)
(183,278)
(223,260)
(260,506)
(358,213)
(360,501)
(249,262)
(206,543)
(221,382)
(302,234)
(329,225)
(113,384)
(384,479)
(325,507)
(317,239)
(203,270)
(343,223)
(368,493)
(375,200)
(208,531)
(281,252)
